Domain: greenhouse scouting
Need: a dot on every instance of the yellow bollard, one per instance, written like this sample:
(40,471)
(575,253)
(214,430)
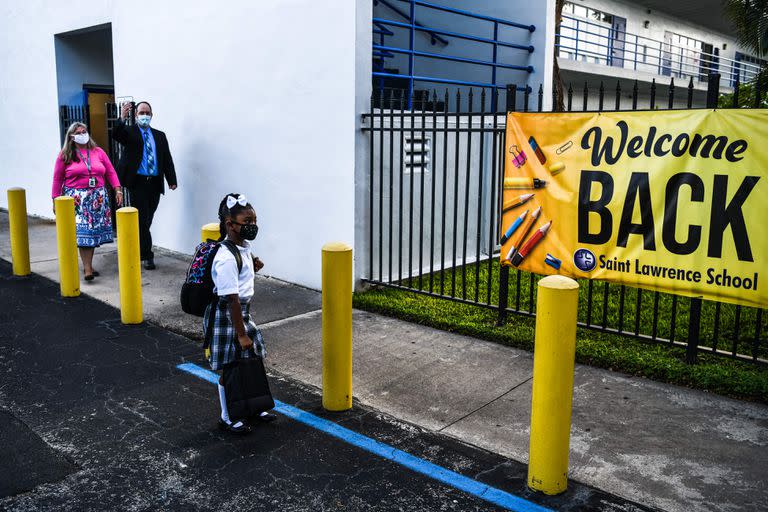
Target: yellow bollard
(66,237)
(129,265)
(337,326)
(553,361)
(17,218)
(210,232)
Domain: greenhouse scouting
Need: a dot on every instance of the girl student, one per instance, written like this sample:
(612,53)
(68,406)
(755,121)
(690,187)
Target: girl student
(229,315)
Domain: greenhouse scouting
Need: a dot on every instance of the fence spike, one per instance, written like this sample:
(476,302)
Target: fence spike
(570,96)
(634,96)
(672,93)
(470,97)
(586,97)
(601,96)
(526,98)
(618,94)
(736,93)
(541,97)
(690,93)
(653,94)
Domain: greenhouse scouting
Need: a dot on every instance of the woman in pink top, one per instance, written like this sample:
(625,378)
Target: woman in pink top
(80,172)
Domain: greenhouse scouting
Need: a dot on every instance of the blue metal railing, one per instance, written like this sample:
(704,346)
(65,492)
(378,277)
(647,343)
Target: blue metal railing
(581,39)
(383,51)
(434,37)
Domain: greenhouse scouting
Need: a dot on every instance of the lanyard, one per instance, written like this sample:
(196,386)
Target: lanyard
(87,162)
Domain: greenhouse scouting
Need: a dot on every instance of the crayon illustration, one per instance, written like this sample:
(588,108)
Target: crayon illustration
(531,243)
(556,168)
(523,183)
(514,203)
(552,261)
(524,233)
(519,157)
(513,227)
(537,150)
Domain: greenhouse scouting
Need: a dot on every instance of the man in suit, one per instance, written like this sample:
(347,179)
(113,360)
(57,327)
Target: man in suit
(146,161)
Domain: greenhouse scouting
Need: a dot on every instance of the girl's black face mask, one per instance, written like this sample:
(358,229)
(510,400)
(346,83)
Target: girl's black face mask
(248,231)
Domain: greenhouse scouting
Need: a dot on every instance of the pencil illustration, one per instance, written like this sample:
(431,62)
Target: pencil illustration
(524,232)
(514,203)
(531,243)
(513,227)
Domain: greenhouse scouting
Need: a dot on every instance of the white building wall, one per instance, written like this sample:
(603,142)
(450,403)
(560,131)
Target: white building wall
(659,23)
(255,97)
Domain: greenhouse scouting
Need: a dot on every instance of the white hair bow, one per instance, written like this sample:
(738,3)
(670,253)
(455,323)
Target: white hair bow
(240,199)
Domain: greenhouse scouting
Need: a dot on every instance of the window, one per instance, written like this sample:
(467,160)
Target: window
(685,56)
(585,34)
(747,67)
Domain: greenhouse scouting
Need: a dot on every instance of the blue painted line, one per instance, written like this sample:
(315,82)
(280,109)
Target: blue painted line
(426,468)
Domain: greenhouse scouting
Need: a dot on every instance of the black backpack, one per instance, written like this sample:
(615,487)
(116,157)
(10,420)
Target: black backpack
(197,290)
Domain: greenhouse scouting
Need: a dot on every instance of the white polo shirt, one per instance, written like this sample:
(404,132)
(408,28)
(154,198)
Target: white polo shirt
(226,280)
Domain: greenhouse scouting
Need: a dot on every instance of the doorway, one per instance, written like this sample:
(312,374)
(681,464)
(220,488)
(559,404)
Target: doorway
(85,78)
(97,99)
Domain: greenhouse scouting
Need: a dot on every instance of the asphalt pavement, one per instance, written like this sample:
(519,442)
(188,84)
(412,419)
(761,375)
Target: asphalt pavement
(665,446)
(96,415)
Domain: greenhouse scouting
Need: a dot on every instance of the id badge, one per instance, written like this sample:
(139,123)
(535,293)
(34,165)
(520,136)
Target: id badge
(91,182)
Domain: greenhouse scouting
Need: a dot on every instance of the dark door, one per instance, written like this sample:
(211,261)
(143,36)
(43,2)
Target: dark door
(708,62)
(618,37)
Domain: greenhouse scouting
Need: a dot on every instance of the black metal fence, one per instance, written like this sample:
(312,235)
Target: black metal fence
(69,114)
(435,183)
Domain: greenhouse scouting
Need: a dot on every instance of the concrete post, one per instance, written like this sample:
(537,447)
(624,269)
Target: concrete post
(553,363)
(66,239)
(129,265)
(337,326)
(17,218)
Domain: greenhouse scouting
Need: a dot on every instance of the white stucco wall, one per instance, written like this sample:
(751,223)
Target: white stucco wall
(255,97)
(658,24)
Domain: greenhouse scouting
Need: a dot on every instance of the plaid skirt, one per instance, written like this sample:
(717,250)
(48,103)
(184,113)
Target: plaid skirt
(221,338)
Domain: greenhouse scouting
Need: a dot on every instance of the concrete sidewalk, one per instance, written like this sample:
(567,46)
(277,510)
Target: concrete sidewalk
(656,444)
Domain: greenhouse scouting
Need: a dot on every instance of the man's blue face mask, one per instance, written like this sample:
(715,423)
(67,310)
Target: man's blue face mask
(143,120)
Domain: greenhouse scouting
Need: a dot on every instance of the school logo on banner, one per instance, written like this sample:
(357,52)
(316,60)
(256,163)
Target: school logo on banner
(675,200)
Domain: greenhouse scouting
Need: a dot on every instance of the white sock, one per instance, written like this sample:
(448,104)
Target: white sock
(224,412)
(223,402)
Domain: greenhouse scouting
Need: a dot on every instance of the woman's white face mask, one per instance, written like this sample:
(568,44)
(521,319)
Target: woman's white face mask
(81,138)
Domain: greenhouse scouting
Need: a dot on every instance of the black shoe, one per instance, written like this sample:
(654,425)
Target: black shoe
(150,264)
(266,417)
(241,429)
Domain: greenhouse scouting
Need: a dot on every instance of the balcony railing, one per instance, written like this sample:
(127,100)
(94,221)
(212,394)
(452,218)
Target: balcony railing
(497,40)
(587,41)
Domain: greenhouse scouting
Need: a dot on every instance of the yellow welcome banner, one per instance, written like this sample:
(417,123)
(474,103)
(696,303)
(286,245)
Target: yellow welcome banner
(675,201)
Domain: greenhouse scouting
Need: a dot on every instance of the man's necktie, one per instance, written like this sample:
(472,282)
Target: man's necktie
(150,155)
